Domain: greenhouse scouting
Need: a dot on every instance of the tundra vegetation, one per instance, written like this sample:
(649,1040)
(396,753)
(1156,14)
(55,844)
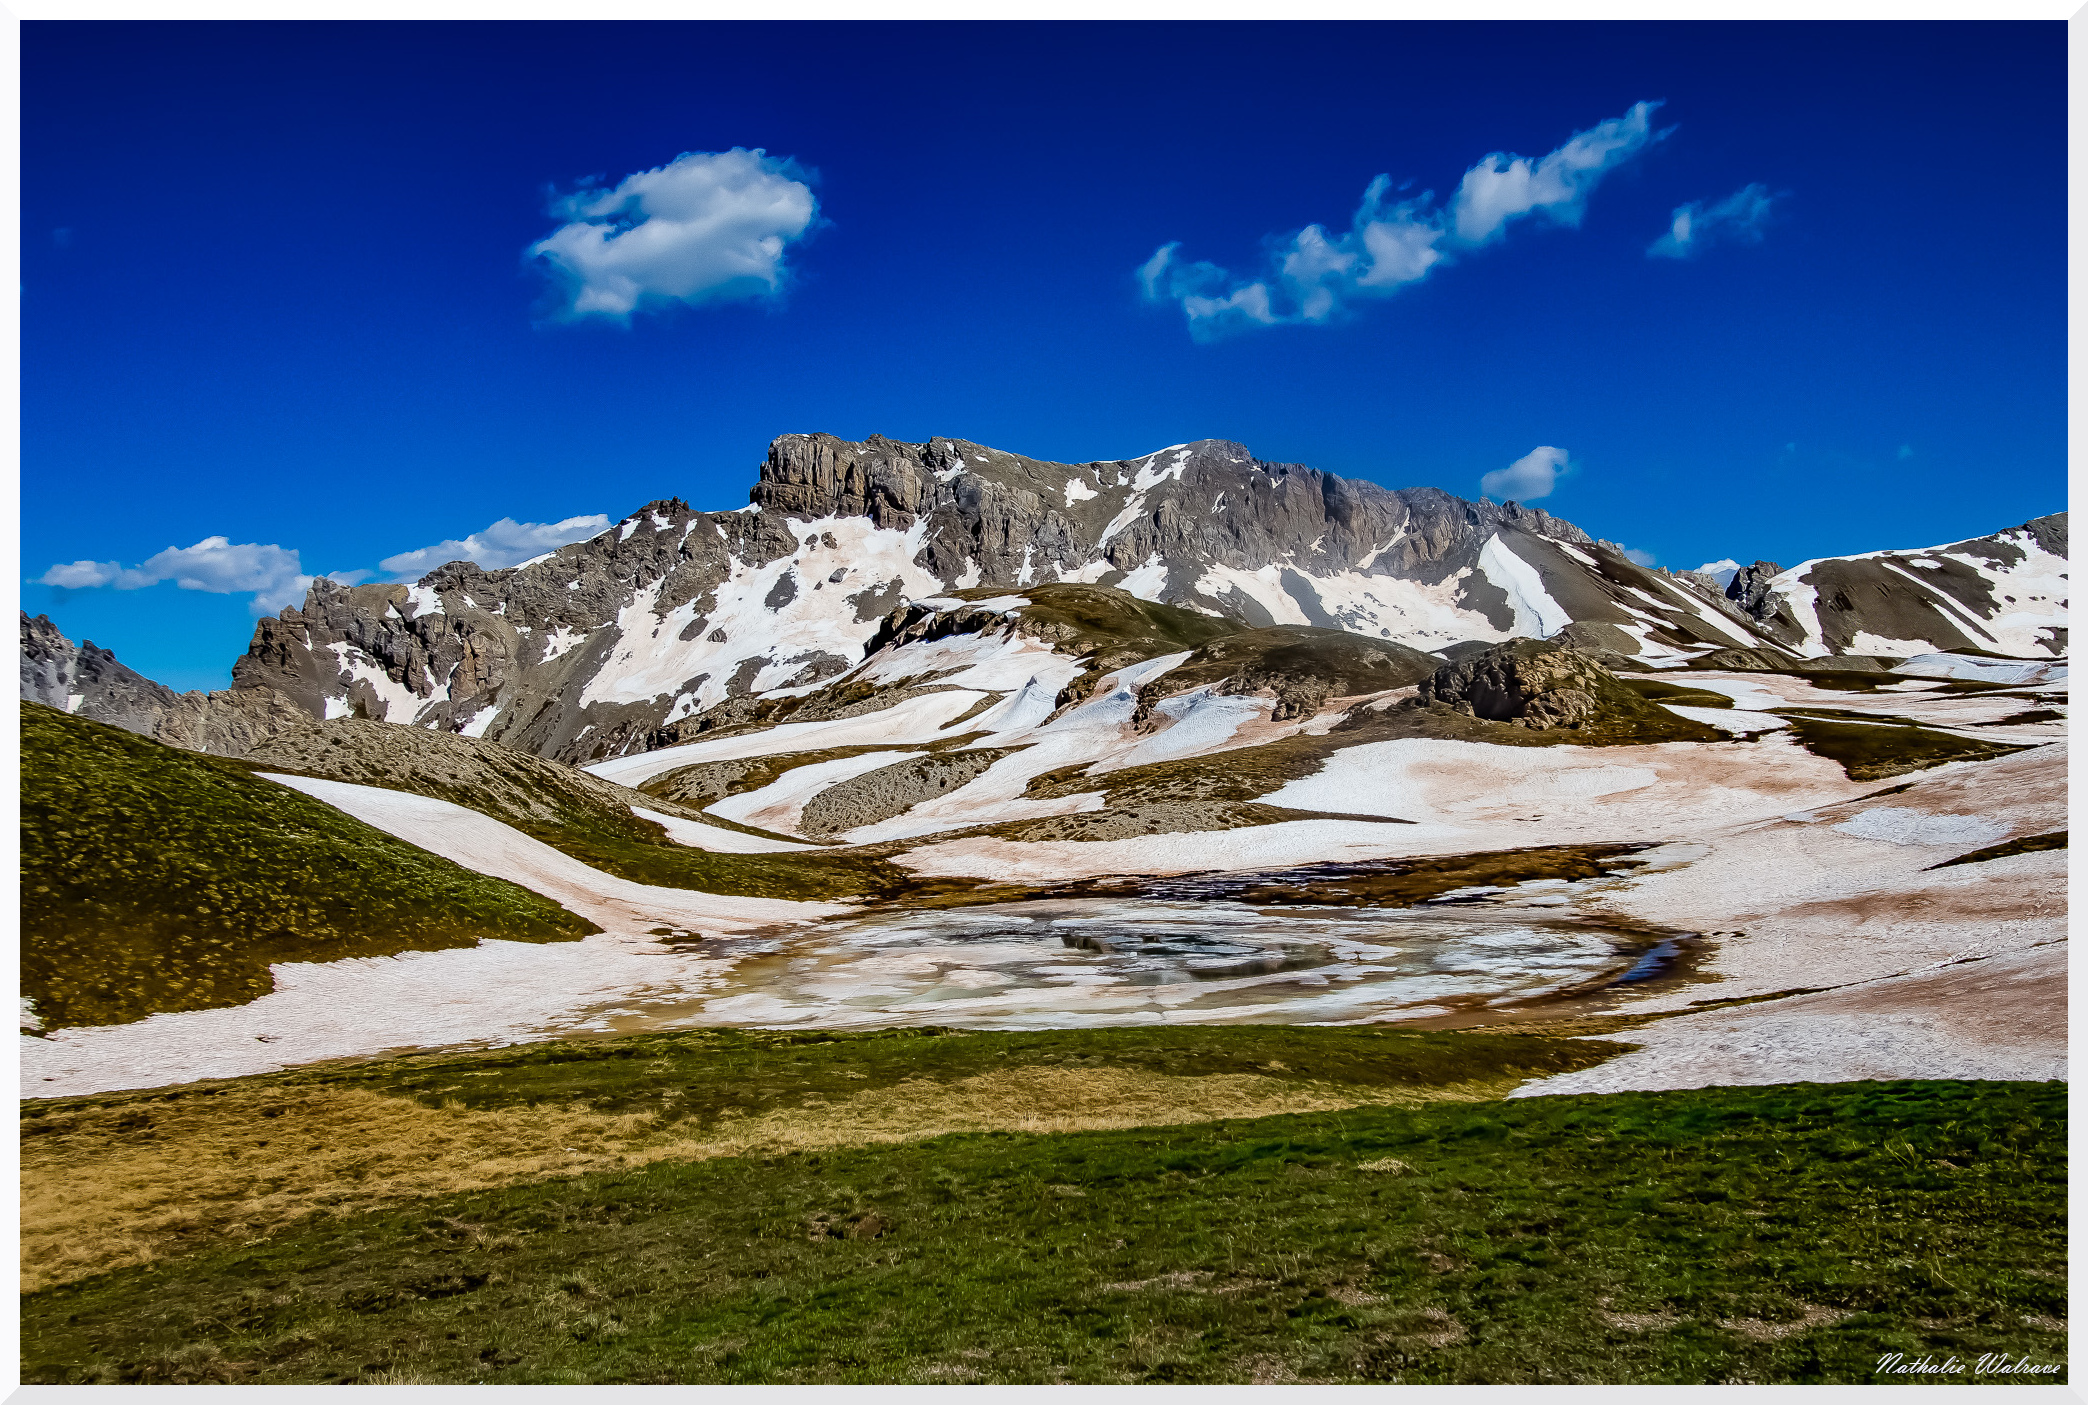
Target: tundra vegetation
(1252,1204)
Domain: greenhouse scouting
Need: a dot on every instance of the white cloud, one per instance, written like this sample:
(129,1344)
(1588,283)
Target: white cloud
(1316,276)
(708,226)
(505,543)
(1639,558)
(1530,477)
(81,575)
(276,579)
(215,564)
(1505,187)
(1740,218)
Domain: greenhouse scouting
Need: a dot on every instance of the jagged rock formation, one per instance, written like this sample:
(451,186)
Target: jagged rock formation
(678,622)
(89,682)
(86,681)
(1749,587)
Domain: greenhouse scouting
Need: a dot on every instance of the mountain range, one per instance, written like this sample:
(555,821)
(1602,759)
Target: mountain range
(937,735)
(675,623)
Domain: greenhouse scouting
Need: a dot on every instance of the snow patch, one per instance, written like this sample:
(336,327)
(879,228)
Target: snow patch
(1537,615)
(1258,846)
(559,641)
(1978,670)
(1729,719)
(1148,581)
(780,805)
(399,703)
(1894,825)
(916,720)
(651,659)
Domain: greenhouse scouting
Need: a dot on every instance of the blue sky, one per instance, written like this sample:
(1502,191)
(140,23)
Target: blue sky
(278,286)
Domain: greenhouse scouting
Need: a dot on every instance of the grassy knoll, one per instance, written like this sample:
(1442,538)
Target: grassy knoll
(1870,751)
(160,879)
(1660,691)
(585,817)
(1758,1234)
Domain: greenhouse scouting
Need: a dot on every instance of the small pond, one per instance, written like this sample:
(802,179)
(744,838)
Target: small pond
(1062,963)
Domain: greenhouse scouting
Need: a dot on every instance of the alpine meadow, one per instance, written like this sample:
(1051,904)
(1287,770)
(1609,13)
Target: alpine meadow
(1241,866)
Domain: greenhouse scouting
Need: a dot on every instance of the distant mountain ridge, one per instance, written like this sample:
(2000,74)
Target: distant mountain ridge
(676,619)
(89,682)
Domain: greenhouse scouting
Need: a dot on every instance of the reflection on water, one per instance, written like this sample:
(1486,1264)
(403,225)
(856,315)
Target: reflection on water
(1110,961)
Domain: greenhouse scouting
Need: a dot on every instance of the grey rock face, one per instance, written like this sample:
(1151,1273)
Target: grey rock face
(89,682)
(1532,684)
(1749,587)
(676,622)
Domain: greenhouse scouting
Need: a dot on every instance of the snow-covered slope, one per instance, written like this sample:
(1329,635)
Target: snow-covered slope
(676,621)
(2002,594)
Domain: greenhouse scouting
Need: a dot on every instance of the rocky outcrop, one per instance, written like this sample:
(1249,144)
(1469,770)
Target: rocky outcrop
(1525,682)
(1749,587)
(1543,685)
(894,789)
(89,682)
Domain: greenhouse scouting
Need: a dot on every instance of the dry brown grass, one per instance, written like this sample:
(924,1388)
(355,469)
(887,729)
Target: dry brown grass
(112,1186)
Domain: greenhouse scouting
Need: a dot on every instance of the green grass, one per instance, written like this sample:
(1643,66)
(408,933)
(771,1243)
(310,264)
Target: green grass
(1303,665)
(159,879)
(701,1075)
(1654,690)
(1757,1234)
(1868,751)
(1110,628)
(1088,618)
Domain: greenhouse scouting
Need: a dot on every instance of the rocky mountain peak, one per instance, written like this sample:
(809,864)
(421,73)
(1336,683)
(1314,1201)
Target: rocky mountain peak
(676,620)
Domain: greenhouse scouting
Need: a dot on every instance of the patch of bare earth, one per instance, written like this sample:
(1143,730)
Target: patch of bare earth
(1755,1329)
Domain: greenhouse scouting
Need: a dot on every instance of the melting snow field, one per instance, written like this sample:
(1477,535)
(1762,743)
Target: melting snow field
(918,719)
(494,993)
(491,994)
(1800,877)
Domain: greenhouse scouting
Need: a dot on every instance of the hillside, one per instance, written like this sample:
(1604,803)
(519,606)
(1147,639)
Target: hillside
(157,879)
